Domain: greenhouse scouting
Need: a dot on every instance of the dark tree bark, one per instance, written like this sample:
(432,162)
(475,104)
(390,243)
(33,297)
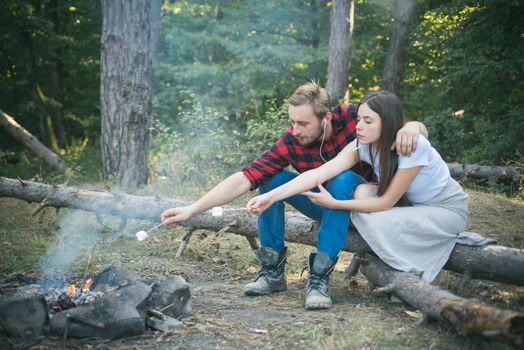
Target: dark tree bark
(31,142)
(340,47)
(496,263)
(315,40)
(57,80)
(394,64)
(30,67)
(126,90)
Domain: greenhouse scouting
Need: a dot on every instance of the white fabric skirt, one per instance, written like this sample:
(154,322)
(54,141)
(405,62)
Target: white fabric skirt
(420,238)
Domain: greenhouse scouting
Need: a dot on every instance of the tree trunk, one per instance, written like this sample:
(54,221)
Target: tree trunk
(496,263)
(394,65)
(340,48)
(31,142)
(315,40)
(467,316)
(56,76)
(126,90)
(30,67)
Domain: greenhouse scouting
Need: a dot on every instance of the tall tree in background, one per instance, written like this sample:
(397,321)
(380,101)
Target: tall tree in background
(126,89)
(342,19)
(56,76)
(397,49)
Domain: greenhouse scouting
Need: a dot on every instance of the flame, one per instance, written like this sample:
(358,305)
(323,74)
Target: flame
(71,289)
(87,285)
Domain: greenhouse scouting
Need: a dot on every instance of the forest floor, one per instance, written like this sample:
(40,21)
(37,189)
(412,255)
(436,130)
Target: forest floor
(218,265)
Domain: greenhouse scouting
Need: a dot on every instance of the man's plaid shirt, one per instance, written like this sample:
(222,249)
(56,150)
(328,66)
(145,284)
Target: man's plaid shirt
(287,151)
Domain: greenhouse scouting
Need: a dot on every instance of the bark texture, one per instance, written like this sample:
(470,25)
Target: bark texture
(395,58)
(496,263)
(126,89)
(493,172)
(467,316)
(340,47)
(32,143)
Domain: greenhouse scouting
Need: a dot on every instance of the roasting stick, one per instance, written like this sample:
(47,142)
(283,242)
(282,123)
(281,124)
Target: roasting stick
(141,235)
(89,259)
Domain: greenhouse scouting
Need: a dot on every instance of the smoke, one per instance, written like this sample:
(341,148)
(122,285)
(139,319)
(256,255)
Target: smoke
(76,237)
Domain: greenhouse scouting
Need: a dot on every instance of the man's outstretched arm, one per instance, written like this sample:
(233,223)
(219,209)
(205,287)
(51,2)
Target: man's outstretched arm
(232,187)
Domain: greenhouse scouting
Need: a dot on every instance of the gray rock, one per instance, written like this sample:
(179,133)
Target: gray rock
(111,278)
(163,325)
(24,312)
(119,313)
(174,291)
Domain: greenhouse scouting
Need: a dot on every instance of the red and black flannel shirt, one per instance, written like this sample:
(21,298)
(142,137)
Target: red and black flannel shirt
(287,151)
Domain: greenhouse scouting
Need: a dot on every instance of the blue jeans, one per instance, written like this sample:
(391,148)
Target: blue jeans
(334,224)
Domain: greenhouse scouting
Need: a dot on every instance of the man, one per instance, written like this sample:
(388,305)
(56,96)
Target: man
(317,134)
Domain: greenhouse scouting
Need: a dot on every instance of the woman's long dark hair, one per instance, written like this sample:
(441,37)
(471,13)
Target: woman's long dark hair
(388,106)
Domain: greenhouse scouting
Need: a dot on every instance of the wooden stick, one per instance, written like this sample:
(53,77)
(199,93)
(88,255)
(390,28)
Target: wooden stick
(253,243)
(185,241)
(353,266)
(21,181)
(89,261)
(43,204)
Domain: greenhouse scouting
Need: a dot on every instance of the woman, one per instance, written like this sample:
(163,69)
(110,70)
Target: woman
(413,217)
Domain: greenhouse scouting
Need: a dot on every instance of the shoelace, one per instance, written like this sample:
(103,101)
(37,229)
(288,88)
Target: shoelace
(316,282)
(264,273)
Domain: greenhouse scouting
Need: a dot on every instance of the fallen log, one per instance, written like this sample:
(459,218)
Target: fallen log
(32,143)
(467,316)
(486,172)
(495,263)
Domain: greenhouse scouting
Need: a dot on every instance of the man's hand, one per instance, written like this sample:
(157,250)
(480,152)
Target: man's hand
(323,198)
(407,138)
(259,203)
(175,215)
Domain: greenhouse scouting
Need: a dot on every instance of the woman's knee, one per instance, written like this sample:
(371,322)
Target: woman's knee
(365,191)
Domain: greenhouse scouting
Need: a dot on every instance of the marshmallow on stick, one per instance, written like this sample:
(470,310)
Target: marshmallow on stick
(141,235)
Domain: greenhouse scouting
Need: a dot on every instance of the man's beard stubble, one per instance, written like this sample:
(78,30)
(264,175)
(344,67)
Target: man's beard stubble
(316,141)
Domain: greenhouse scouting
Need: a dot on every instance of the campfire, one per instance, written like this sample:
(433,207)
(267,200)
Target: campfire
(112,304)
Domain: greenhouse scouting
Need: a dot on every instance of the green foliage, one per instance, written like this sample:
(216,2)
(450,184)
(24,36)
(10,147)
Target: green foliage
(470,56)
(50,53)
(370,43)
(263,130)
(237,54)
(447,135)
(230,65)
(203,148)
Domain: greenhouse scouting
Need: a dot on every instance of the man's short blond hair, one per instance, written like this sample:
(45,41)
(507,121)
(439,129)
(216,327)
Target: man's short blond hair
(314,95)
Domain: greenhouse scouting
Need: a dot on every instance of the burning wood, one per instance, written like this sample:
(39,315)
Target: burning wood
(71,289)
(86,287)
